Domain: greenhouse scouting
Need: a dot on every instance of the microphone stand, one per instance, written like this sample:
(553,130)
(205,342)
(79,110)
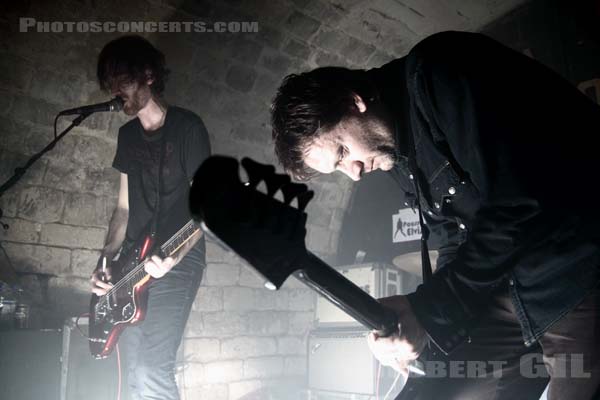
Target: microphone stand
(20,171)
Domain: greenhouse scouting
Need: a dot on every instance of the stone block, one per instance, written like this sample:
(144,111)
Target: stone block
(201,350)
(88,210)
(9,202)
(222,324)
(209,67)
(68,177)
(250,278)
(275,62)
(331,40)
(247,346)
(223,371)
(240,77)
(73,236)
(245,50)
(38,259)
(295,366)
(238,390)
(221,275)
(298,49)
(215,253)
(15,72)
(302,299)
(357,51)
(83,262)
(272,300)
(291,345)
(270,36)
(5,103)
(209,298)
(20,231)
(239,299)
(329,14)
(195,325)
(193,376)
(28,109)
(41,204)
(378,58)
(93,151)
(301,25)
(267,322)
(12,134)
(301,322)
(325,59)
(266,86)
(217,391)
(264,367)
(9,161)
(58,86)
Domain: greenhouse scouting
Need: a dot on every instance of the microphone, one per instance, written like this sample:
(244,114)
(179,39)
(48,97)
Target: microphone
(115,104)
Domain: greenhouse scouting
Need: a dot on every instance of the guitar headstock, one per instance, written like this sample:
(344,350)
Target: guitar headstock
(265,231)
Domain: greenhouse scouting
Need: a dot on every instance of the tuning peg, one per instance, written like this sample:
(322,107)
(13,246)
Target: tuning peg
(275,182)
(292,190)
(304,198)
(257,171)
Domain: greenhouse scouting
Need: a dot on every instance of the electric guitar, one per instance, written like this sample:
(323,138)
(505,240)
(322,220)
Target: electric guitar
(125,303)
(268,231)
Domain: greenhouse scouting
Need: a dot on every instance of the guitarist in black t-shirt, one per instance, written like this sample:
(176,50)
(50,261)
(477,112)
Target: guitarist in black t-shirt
(157,155)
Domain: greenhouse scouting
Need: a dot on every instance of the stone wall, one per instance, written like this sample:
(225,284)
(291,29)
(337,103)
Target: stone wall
(240,337)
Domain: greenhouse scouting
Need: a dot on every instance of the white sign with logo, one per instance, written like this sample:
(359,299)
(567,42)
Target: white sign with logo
(405,226)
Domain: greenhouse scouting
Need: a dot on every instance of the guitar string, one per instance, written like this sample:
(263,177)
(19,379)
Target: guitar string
(135,271)
(128,277)
(163,247)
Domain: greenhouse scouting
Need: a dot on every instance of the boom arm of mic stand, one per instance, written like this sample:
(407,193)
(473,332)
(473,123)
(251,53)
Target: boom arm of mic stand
(20,171)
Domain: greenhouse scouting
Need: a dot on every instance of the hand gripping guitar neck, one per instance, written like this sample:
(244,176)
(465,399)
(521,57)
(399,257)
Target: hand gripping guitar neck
(268,231)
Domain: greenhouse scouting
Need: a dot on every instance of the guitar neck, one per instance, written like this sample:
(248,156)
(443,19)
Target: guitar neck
(344,294)
(179,239)
(169,249)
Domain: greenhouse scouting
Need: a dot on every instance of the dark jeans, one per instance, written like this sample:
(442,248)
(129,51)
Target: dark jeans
(149,349)
(496,365)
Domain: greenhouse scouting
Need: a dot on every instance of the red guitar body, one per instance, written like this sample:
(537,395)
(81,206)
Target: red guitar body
(123,306)
(125,303)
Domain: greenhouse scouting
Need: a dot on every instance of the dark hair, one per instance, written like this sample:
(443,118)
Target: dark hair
(132,56)
(309,104)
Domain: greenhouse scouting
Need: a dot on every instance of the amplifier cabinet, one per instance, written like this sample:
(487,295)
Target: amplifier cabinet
(30,364)
(84,377)
(377,279)
(340,361)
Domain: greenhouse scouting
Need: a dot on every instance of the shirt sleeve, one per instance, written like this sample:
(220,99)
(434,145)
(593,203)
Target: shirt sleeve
(121,161)
(485,103)
(196,147)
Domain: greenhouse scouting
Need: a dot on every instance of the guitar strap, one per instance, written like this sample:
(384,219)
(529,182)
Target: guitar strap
(412,166)
(161,161)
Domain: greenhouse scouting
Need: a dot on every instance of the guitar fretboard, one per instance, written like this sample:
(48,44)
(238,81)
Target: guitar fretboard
(173,245)
(169,248)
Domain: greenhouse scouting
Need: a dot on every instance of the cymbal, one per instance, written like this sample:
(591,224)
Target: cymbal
(411,262)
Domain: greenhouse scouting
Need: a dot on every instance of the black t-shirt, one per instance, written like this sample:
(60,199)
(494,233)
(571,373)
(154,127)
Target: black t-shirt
(186,146)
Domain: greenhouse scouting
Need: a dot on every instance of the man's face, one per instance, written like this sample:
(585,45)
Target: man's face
(135,95)
(356,146)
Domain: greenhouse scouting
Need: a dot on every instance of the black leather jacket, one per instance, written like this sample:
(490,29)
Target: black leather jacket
(506,168)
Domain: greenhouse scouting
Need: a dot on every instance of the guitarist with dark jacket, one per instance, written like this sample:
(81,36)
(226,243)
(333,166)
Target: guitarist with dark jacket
(497,152)
(174,142)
